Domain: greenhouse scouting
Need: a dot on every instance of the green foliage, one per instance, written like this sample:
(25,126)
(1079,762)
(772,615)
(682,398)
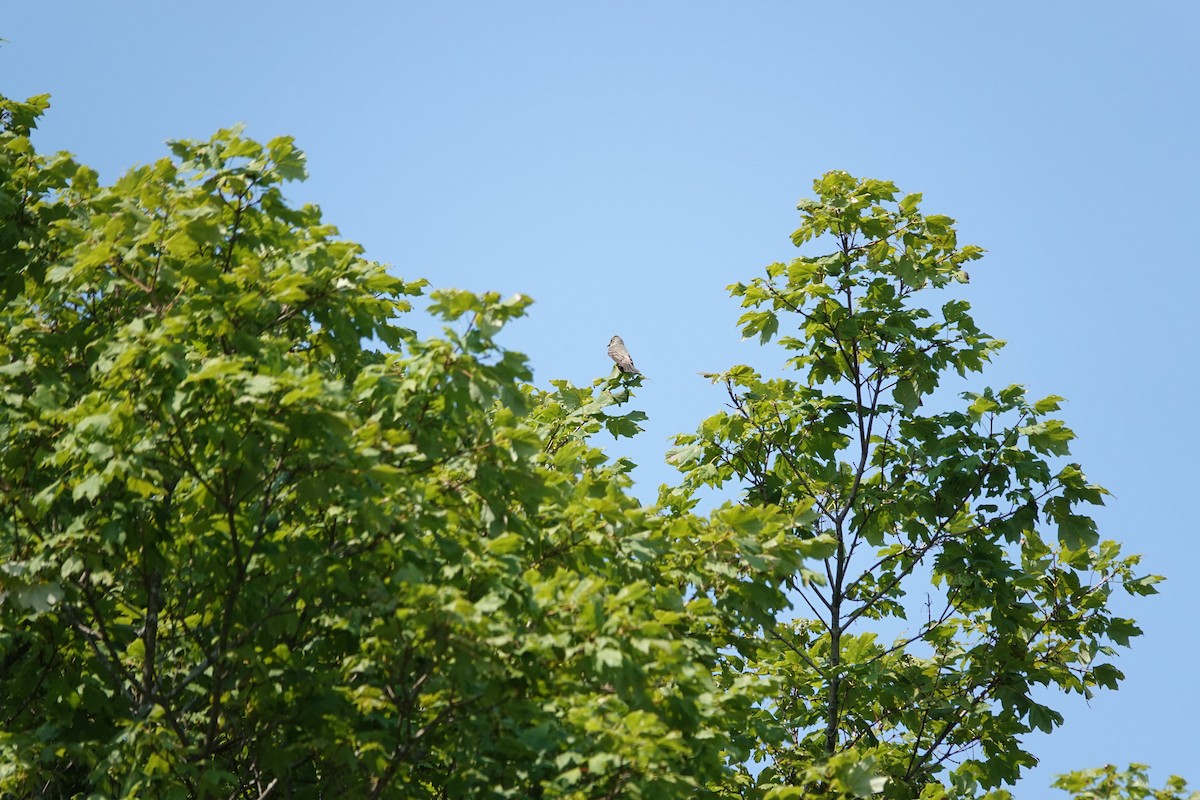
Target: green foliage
(257,536)
(1133,783)
(962,533)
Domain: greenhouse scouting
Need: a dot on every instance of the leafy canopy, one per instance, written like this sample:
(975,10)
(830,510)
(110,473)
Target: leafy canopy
(257,536)
(959,576)
(1132,783)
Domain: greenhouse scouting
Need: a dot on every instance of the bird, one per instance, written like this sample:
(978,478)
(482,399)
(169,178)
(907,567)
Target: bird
(618,353)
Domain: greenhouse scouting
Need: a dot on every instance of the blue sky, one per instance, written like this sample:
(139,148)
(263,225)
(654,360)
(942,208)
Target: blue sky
(623,162)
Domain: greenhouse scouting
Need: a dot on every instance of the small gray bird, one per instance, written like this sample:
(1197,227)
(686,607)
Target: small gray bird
(618,353)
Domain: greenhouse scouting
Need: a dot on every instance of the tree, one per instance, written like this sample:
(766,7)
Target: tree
(1132,783)
(962,528)
(258,538)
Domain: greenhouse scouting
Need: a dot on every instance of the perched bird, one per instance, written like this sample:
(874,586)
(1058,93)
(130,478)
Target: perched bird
(618,353)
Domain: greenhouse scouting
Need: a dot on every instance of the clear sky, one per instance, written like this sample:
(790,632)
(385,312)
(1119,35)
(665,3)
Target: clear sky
(622,162)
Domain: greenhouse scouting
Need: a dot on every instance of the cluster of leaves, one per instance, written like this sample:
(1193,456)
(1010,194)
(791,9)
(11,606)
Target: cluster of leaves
(974,510)
(258,537)
(1132,783)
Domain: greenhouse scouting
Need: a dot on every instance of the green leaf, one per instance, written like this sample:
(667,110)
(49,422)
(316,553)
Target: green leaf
(505,543)
(1048,404)
(609,657)
(89,488)
(906,395)
(982,405)
(40,598)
